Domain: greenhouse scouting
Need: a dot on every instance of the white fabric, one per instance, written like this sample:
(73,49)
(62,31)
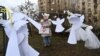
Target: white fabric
(12,43)
(58,23)
(22,33)
(17,33)
(72,37)
(17,16)
(92,41)
(25,48)
(81,34)
(77,33)
(76,24)
(36,24)
(20,16)
(12,48)
(68,30)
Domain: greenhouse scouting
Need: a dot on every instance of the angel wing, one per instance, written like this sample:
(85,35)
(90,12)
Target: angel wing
(19,24)
(82,18)
(84,25)
(36,24)
(6,23)
(68,30)
(54,22)
(62,20)
(58,21)
(76,14)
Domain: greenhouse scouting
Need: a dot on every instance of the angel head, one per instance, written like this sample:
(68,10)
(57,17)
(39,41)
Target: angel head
(75,18)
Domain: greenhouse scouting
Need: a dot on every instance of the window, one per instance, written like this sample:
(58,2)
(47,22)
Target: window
(95,1)
(83,3)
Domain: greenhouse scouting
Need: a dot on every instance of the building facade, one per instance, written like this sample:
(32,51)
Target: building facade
(90,8)
(52,6)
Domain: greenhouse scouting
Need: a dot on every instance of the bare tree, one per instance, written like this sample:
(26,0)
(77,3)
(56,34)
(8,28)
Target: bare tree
(28,9)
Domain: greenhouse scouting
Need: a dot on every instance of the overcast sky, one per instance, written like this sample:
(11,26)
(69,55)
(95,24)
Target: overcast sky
(35,1)
(13,3)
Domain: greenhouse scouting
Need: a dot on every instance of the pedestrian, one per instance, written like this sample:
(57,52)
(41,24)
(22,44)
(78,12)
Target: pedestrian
(45,30)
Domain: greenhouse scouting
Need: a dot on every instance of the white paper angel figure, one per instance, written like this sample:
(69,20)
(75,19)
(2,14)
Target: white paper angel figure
(20,25)
(77,33)
(92,41)
(17,32)
(76,22)
(58,23)
(22,31)
(12,48)
(34,23)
